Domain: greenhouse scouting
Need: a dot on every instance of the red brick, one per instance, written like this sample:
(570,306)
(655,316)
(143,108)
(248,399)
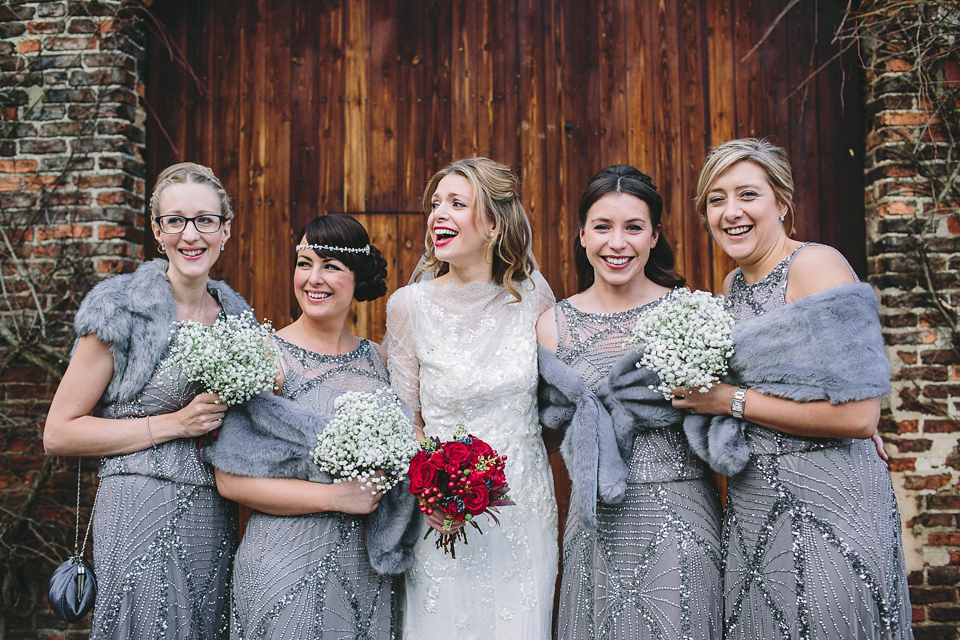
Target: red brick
(955,557)
(9,183)
(907,357)
(902,464)
(944,614)
(944,538)
(918,614)
(943,575)
(64,231)
(940,426)
(18,166)
(921,595)
(111,232)
(931,520)
(926,482)
(905,118)
(28,46)
(912,445)
(896,208)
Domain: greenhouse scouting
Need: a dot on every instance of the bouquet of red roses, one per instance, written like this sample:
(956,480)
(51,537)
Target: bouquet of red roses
(461,478)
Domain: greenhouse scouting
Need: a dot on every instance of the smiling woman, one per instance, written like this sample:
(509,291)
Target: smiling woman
(163,537)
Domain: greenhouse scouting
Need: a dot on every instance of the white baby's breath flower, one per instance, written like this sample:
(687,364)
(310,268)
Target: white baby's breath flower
(369,439)
(686,340)
(234,357)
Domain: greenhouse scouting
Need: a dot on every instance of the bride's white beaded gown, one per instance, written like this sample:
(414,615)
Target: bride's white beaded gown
(467,353)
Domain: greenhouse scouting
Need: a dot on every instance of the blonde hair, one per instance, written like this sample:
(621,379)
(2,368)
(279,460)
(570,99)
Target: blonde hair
(189,172)
(496,194)
(763,153)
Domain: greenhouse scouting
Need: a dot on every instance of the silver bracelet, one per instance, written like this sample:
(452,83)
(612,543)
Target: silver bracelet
(150,433)
(738,402)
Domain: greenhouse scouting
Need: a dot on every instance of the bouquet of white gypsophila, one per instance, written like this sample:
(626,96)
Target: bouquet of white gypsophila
(234,357)
(686,340)
(369,439)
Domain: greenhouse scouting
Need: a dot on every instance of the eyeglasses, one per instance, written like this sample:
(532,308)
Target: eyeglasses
(206,223)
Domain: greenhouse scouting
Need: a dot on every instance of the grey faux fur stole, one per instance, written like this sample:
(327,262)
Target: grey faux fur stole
(274,437)
(600,428)
(825,346)
(133,314)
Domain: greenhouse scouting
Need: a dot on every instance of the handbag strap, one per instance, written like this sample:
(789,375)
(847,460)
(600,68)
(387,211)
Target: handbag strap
(77,550)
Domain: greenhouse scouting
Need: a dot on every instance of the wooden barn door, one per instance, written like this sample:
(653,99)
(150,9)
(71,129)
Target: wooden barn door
(310,107)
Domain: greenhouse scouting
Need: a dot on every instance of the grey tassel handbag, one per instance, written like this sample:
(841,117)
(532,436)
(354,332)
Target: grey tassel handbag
(73,586)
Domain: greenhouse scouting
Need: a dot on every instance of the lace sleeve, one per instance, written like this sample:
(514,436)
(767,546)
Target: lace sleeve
(401,352)
(543,292)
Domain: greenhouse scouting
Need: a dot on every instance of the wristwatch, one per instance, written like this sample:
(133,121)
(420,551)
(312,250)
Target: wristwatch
(737,404)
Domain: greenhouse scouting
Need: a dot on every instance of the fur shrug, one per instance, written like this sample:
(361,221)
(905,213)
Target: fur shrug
(133,314)
(274,437)
(600,428)
(824,346)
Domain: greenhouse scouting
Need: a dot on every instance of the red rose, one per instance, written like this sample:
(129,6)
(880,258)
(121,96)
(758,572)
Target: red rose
(479,477)
(452,510)
(498,482)
(436,458)
(480,448)
(422,473)
(476,500)
(456,453)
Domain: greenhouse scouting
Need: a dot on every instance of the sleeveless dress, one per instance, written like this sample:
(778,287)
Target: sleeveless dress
(652,568)
(811,527)
(468,353)
(163,538)
(309,576)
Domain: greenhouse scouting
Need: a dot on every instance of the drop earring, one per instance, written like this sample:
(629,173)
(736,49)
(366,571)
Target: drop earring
(162,249)
(223,245)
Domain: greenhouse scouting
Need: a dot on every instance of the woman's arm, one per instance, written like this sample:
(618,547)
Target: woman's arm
(548,336)
(293,497)
(856,419)
(70,430)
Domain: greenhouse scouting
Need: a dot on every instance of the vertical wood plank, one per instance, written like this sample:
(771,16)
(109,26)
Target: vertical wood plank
(382,107)
(612,129)
(356,55)
(721,74)
(332,108)
(532,136)
(667,175)
(694,135)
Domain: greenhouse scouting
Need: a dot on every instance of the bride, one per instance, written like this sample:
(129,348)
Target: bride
(462,348)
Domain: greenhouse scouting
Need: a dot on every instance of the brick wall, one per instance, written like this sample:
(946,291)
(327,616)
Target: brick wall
(920,426)
(71,205)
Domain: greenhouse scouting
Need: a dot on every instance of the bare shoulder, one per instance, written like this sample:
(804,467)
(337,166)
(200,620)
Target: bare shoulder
(380,350)
(817,268)
(547,334)
(726,282)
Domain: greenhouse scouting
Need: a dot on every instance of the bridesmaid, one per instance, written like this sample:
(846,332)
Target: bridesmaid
(811,528)
(163,538)
(303,569)
(649,565)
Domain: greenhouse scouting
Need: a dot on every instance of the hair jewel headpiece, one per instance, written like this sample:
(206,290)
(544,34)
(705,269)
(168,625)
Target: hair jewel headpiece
(324,247)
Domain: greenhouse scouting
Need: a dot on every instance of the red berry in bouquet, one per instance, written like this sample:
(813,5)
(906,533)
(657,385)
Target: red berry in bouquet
(461,478)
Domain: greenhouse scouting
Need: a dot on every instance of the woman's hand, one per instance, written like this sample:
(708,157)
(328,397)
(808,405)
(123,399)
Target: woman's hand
(878,442)
(352,496)
(436,519)
(714,401)
(203,415)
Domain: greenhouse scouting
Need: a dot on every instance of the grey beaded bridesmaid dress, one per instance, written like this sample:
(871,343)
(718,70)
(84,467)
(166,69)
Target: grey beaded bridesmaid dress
(652,568)
(309,576)
(811,528)
(163,537)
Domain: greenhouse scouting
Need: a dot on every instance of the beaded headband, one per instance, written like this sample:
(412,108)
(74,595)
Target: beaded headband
(323,247)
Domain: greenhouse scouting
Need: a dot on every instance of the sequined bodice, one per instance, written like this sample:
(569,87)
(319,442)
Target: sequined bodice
(745,301)
(315,380)
(590,343)
(176,460)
